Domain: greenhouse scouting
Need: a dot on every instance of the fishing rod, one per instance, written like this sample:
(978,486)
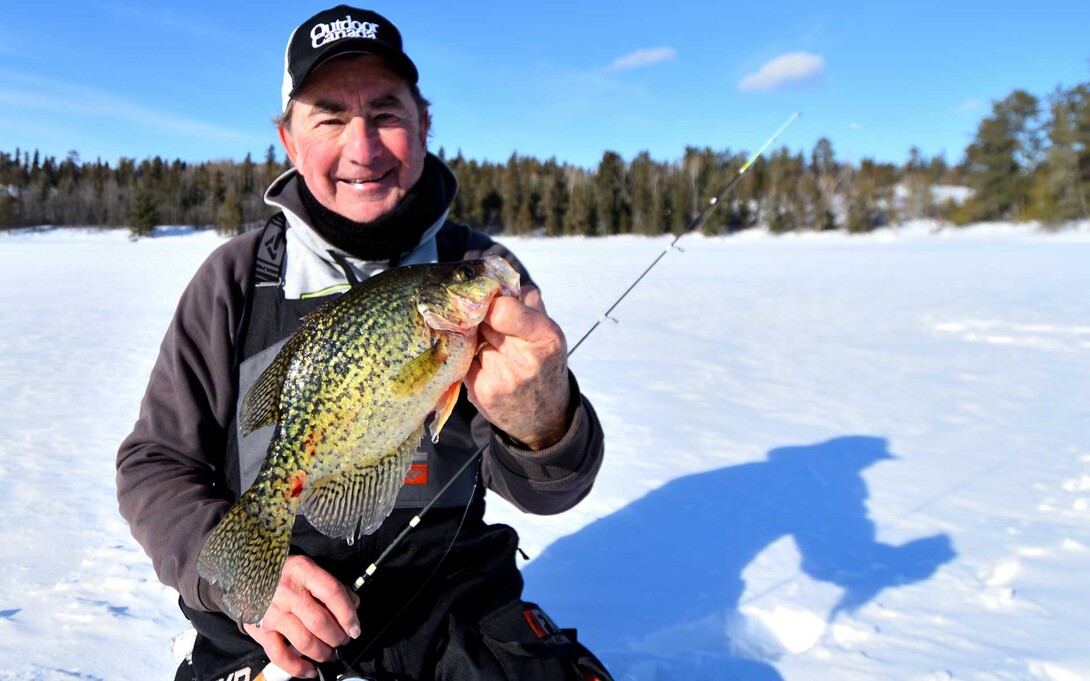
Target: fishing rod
(695,224)
(273,673)
(698,222)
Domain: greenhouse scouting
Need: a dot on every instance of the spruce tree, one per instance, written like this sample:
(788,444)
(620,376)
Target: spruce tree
(1062,191)
(9,214)
(582,216)
(1001,158)
(511,191)
(229,218)
(614,207)
(143,213)
(863,211)
(555,197)
(645,219)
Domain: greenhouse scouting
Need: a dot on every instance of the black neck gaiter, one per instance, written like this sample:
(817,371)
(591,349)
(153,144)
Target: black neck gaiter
(392,234)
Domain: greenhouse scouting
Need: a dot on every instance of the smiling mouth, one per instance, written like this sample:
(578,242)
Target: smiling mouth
(367,180)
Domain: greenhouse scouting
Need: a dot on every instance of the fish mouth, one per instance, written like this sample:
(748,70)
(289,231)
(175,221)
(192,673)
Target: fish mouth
(473,310)
(460,314)
(500,271)
(469,294)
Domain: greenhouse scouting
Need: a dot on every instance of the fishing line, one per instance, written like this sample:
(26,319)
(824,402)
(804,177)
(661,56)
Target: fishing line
(458,530)
(698,222)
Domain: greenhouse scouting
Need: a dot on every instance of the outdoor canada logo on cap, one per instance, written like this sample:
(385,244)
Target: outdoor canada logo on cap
(348,27)
(337,31)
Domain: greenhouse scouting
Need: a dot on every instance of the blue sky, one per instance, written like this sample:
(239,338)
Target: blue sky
(201,80)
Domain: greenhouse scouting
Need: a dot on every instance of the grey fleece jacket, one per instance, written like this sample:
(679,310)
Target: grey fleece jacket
(171,484)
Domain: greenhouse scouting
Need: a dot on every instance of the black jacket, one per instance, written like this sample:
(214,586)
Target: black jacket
(173,470)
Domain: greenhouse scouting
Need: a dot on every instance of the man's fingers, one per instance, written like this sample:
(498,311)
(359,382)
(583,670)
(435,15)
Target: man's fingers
(531,296)
(304,640)
(281,654)
(510,317)
(320,621)
(488,339)
(311,615)
(526,330)
(332,599)
(323,604)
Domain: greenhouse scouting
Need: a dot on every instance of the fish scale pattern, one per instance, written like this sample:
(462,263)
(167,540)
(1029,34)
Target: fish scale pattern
(349,392)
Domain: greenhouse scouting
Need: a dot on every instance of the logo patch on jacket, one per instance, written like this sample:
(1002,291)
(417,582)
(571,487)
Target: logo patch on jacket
(417,475)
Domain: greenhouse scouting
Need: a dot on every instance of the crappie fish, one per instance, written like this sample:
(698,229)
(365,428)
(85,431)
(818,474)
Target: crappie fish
(350,393)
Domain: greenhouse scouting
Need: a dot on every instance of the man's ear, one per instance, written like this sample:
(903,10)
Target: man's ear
(425,125)
(288,142)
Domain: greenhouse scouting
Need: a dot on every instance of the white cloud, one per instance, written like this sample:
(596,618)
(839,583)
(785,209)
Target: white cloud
(968,105)
(36,94)
(642,57)
(787,68)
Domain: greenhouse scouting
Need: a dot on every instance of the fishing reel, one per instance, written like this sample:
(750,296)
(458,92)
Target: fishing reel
(348,675)
(328,671)
(344,670)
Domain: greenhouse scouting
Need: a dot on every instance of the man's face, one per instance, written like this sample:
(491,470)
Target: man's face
(356,137)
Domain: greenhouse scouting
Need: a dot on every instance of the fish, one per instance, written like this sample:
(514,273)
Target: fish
(350,393)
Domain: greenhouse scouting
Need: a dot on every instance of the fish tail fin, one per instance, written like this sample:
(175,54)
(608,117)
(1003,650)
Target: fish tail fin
(245,555)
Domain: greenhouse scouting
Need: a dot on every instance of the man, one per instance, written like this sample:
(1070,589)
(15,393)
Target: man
(364,195)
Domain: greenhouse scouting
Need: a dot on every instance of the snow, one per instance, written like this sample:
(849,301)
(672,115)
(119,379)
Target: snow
(828,456)
(940,193)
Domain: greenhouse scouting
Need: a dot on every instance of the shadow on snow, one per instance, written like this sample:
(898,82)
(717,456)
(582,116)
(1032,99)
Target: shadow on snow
(664,575)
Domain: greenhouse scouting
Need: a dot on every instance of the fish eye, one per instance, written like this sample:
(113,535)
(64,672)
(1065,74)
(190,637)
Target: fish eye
(466,272)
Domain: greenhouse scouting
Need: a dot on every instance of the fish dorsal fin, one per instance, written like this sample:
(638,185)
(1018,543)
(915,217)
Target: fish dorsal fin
(419,371)
(261,405)
(353,502)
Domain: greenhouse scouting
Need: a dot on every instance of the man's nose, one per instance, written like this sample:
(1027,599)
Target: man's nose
(361,141)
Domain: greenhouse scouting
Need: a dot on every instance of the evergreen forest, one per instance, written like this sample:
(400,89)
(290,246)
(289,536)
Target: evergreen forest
(1029,160)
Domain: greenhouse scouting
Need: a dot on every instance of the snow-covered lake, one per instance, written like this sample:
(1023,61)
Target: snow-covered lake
(828,457)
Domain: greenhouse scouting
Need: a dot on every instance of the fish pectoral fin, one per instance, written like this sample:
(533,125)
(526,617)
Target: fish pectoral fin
(419,371)
(261,404)
(444,409)
(353,502)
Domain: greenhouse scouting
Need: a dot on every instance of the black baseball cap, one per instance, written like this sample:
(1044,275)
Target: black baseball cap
(337,31)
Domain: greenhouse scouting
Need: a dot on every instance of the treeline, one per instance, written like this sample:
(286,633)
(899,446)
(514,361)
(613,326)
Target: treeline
(139,195)
(1029,160)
